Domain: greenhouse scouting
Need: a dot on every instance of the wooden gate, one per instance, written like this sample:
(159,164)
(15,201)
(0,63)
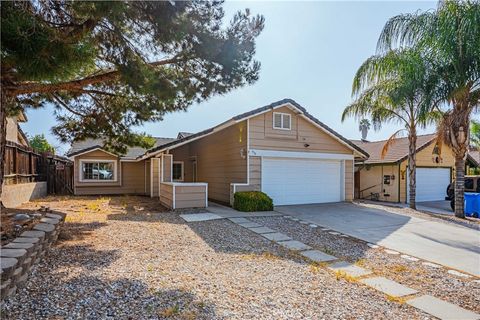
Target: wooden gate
(60,176)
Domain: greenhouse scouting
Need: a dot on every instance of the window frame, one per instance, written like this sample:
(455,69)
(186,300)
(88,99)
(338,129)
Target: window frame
(282,114)
(182,171)
(82,161)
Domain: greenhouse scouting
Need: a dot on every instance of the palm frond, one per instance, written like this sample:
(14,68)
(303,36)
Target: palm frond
(390,142)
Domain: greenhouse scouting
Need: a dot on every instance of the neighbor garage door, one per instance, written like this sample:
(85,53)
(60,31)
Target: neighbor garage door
(431,184)
(301,181)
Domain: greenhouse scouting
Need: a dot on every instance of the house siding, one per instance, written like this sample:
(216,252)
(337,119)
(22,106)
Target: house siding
(371,180)
(263,136)
(219,160)
(130,176)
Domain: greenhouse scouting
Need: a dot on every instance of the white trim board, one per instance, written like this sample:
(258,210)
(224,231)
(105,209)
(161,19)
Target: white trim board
(295,154)
(91,150)
(80,171)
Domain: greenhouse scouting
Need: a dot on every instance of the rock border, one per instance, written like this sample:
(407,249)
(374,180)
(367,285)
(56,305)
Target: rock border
(18,256)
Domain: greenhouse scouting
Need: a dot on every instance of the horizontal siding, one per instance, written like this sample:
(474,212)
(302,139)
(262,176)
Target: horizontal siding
(156,176)
(263,136)
(348,180)
(166,195)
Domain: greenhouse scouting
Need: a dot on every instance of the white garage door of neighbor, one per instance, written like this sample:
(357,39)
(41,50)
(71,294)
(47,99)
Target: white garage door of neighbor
(432,184)
(301,181)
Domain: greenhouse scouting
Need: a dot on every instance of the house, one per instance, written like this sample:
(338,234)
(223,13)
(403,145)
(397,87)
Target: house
(279,149)
(386,178)
(15,134)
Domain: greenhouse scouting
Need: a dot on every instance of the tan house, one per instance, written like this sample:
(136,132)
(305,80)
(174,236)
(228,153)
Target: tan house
(386,179)
(15,134)
(279,149)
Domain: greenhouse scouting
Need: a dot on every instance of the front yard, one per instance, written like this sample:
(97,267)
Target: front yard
(127,257)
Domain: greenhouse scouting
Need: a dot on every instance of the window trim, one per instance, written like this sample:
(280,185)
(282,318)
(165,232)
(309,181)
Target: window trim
(183,171)
(80,171)
(281,122)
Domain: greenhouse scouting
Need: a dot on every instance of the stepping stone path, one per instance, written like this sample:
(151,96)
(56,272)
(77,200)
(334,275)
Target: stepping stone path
(261,230)
(318,256)
(426,303)
(276,236)
(350,269)
(389,287)
(250,225)
(294,245)
(441,309)
(197,217)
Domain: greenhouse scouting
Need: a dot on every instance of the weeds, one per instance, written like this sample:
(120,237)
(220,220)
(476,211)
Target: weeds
(170,311)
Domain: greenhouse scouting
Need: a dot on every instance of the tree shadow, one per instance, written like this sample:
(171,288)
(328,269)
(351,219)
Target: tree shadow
(91,297)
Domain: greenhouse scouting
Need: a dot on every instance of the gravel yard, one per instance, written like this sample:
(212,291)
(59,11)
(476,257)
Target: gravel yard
(434,281)
(124,257)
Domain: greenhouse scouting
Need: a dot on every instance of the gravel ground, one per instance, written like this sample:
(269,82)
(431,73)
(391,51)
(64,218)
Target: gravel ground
(433,281)
(125,258)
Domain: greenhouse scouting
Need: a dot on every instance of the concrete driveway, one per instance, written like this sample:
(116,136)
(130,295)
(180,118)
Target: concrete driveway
(446,244)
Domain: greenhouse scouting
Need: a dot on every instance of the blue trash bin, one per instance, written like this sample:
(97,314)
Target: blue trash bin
(472,204)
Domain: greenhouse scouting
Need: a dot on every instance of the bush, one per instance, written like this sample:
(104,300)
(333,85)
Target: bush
(249,201)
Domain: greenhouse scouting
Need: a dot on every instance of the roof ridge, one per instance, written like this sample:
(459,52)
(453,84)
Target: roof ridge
(376,141)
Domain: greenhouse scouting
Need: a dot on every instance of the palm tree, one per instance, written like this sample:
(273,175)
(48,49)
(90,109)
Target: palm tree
(475,134)
(363,127)
(450,38)
(390,88)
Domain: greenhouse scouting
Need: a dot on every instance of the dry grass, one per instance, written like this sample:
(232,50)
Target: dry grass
(343,275)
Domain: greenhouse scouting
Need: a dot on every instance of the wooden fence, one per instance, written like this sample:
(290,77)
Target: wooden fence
(23,165)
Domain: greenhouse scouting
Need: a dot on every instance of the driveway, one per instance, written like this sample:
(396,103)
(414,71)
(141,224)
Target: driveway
(446,244)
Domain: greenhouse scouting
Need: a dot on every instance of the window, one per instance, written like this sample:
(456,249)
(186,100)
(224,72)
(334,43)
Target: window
(103,170)
(468,184)
(282,121)
(177,171)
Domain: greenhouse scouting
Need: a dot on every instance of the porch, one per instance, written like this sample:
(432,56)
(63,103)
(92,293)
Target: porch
(170,186)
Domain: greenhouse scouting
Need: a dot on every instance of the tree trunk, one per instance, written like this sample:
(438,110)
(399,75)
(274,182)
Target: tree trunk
(3,142)
(412,166)
(459,186)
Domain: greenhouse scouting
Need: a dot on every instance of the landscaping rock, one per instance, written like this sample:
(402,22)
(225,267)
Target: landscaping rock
(33,234)
(26,240)
(8,266)
(54,216)
(18,254)
(16,245)
(50,220)
(46,227)
(22,217)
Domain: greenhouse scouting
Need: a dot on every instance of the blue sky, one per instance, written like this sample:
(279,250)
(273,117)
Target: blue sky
(309,52)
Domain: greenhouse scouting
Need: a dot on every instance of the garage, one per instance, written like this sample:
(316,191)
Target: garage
(301,181)
(432,184)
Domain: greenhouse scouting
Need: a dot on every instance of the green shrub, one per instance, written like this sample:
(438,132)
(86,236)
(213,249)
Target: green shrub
(249,201)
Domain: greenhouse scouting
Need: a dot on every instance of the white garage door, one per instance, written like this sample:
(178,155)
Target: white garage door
(431,184)
(300,181)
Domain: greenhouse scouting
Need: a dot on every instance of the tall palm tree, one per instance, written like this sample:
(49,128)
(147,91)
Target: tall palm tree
(391,88)
(450,38)
(363,127)
(475,134)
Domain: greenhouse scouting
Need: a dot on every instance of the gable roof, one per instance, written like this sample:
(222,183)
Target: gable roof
(84,146)
(397,152)
(181,134)
(244,116)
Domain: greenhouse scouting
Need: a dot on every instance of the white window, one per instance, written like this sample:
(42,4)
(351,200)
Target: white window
(177,171)
(97,170)
(282,121)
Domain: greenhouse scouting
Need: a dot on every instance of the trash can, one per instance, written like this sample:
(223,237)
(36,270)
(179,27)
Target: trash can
(472,204)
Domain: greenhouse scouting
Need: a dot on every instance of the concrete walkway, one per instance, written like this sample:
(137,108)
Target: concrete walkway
(453,246)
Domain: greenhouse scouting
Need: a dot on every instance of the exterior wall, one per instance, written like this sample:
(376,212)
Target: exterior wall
(12,130)
(14,195)
(147,177)
(371,180)
(155,173)
(263,136)
(166,195)
(348,180)
(425,158)
(219,160)
(130,177)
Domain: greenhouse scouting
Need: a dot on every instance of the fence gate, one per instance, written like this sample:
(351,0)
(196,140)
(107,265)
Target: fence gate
(60,177)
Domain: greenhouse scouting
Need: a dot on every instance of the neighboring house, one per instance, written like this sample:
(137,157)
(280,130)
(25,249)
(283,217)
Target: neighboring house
(14,132)
(386,179)
(279,149)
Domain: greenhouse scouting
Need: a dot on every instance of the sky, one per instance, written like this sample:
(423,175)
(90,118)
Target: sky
(309,52)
